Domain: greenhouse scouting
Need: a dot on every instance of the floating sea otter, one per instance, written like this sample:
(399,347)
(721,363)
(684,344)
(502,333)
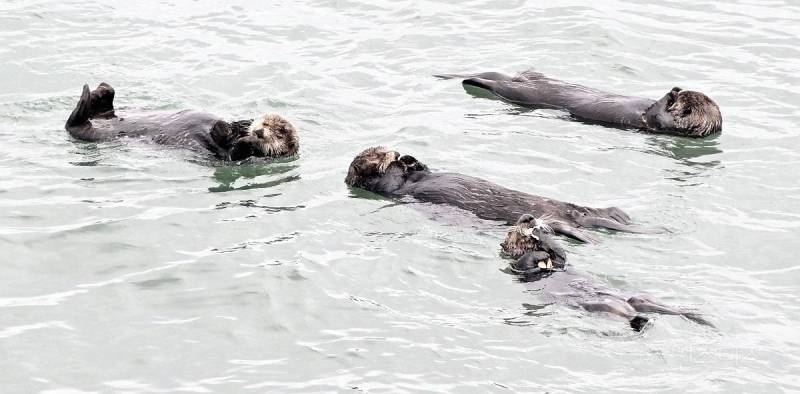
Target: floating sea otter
(94,119)
(679,112)
(386,172)
(538,257)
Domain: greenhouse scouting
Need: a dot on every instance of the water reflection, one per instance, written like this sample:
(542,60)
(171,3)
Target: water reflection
(689,152)
(92,154)
(277,171)
(684,150)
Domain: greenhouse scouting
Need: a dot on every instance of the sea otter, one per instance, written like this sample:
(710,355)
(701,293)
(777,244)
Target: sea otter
(94,119)
(386,172)
(679,112)
(538,258)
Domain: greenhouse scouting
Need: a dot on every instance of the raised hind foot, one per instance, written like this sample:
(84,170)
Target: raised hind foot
(102,101)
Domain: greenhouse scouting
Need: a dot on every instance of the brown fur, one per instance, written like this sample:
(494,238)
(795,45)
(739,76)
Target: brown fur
(517,243)
(696,112)
(276,135)
(371,162)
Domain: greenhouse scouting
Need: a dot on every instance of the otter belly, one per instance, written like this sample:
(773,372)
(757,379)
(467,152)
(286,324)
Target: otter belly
(186,129)
(534,90)
(485,199)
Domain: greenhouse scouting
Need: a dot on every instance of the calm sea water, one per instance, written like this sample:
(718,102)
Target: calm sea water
(129,267)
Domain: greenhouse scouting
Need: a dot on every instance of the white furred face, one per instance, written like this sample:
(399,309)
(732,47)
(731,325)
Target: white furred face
(275,135)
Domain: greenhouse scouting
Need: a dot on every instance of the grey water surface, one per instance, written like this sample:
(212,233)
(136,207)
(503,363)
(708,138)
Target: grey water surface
(129,267)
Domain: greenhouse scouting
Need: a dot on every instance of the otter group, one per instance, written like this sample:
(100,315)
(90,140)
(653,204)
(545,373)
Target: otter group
(532,219)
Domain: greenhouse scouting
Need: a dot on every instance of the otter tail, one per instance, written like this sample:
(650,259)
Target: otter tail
(490,76)
(82,112)
(451,76)
(646,304)
(698,319)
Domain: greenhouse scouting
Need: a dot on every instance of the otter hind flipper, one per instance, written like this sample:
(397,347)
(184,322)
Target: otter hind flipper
(616,225)
(450,76)
(102,101)
(490,75)
(698,319)
(80,115)
(572,232)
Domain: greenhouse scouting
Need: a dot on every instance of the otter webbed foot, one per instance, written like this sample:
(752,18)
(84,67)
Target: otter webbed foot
(102,101)
(617,214)
(572,232)
(610,218)
(82,112)
(594,221)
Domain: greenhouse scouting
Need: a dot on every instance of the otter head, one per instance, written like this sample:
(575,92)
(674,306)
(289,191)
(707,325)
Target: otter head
(379,169)
(529,243)
(268,136)
(684,112)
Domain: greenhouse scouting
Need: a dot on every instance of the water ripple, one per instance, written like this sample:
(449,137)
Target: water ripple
(151,268)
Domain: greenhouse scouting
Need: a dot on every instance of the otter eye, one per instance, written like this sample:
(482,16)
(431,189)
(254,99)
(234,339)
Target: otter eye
(687,111)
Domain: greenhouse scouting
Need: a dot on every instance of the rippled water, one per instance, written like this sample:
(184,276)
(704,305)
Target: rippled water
(136,268)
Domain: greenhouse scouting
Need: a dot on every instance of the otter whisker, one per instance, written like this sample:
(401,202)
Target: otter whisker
(541,224)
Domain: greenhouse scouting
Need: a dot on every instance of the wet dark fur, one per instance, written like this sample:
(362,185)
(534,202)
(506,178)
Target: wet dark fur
(534,252)
(386,172)
(679,112)
(95,119)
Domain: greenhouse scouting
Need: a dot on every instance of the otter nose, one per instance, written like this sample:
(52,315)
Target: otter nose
(259,133)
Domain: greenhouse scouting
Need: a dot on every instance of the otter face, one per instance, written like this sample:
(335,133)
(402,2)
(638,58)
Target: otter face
(380,169)
(684,112)
(268,136)
(525,236)
(532,235)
